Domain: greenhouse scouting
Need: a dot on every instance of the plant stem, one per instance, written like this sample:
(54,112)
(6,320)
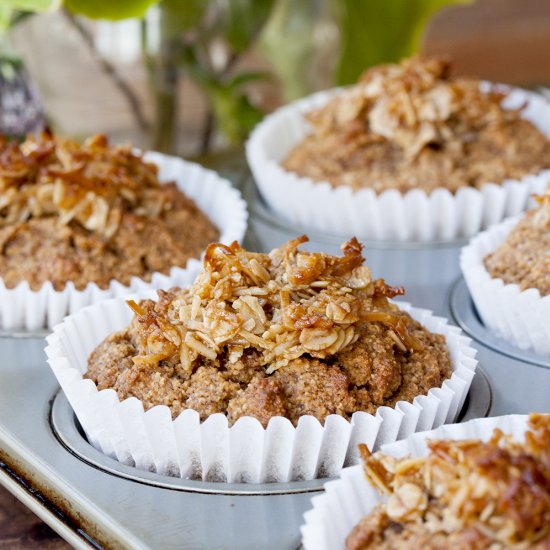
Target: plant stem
(110,70)
(209,118)
(162,65)
(207,131)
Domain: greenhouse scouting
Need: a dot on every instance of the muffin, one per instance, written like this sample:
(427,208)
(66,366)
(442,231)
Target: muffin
(289,334)
(268,367)
(523,259)
(412,126)
(463,494)
(91,213)
(87,218)
(478,485)
(507,269)
(408,153)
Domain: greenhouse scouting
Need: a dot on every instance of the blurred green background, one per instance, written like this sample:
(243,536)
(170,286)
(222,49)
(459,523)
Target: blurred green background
(194,76)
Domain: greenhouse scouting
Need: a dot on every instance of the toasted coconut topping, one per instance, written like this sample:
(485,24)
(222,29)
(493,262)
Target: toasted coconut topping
(499,489)
(284,304)
(92,183)
(541,217)
(413,104)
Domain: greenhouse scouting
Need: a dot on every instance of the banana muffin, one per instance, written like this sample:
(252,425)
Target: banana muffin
(90,213)
(524,257)
(412,126)
(289,333)
(465,495)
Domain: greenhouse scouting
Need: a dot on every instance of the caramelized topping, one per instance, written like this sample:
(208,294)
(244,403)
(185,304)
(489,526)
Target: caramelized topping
(414,104)
(91,184)
(541,217)
(500,488)
(284,304)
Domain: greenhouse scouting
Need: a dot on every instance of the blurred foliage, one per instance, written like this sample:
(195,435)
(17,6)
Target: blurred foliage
(9,9)
(113,10)
(311,44)
(306,55)
(381,31)
(94,9)
(202,38)
(208,38)
(295,47)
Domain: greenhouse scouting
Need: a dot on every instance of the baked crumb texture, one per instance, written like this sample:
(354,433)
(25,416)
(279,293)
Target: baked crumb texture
(465,495)
(289,333)
(90,213)
(524,257)
(412,126)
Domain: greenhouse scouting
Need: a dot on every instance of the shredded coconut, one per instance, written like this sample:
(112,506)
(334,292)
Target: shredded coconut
(92,184)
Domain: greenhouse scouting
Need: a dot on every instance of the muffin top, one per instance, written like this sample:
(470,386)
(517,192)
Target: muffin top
(524,257)
(288,333)
(412,126)
(90,212)
(464,494)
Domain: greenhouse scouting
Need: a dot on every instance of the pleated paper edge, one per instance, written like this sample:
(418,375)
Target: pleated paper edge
(24,309)
(346,500)
(413,216)
(307,451)
(522,317)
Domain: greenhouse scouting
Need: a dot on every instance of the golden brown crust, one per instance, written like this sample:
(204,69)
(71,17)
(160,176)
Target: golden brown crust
(463,495)
(234,341)
(411,126)
(262,398)
(90,213)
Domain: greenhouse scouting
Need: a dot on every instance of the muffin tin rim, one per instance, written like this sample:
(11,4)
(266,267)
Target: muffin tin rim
(464,313)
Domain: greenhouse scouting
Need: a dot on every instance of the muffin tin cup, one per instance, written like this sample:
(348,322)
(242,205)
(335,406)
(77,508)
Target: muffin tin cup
(24,309)
(245,452)
(346,500)
(521,317)
(390,215)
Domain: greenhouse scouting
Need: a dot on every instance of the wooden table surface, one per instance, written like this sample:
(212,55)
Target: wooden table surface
(20,529)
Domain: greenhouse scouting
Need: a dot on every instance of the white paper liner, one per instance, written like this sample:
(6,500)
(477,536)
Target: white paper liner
(413,216)
(521,317)
(246,452)
(346,500)
(23,308)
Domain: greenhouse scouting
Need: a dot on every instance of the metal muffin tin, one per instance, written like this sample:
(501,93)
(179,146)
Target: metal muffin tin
(95,502)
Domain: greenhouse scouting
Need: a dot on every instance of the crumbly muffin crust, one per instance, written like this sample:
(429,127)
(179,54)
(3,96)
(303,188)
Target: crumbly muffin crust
(286,334)
(412,126)
(524,257)
(465,495)
(90,213)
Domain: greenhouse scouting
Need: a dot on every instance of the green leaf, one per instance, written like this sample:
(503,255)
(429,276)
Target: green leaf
(381,31)
(242,79)
(5,16)
(32,5)
(245,19)
(109,9)
(183,15)
(9,7)
(235,115)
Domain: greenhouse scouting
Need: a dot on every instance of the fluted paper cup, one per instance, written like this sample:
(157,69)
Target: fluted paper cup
(245,452)
(519,316)
(390,215)
(24,309)
(346,500)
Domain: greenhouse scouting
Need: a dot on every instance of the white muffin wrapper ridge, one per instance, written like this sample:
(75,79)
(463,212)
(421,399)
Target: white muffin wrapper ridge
(390,215)
(346,500)
(24,309)
(245,452)
(519,316)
